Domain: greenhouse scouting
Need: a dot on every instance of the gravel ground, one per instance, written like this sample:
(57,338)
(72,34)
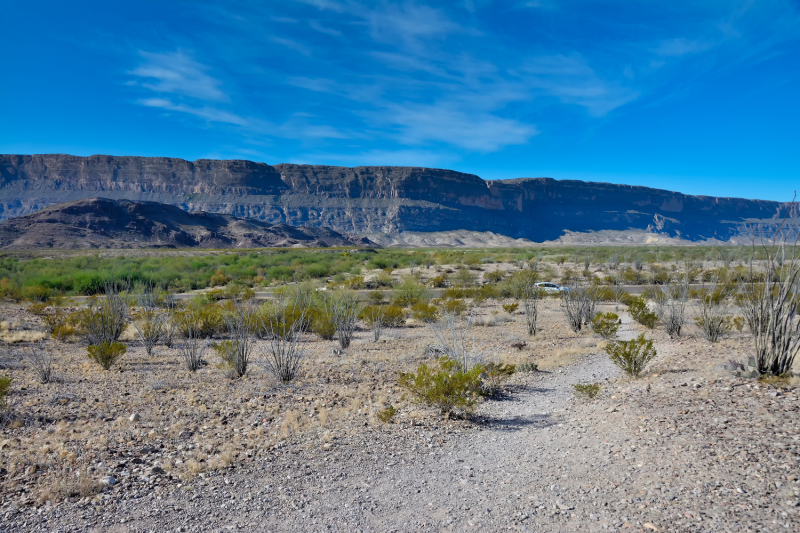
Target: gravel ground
(687,448)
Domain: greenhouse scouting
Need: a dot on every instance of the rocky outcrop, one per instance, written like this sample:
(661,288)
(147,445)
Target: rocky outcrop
(364,200)
(104,223)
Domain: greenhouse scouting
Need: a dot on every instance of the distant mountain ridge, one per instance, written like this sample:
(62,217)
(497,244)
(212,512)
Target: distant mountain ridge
(104,223)
(376,199)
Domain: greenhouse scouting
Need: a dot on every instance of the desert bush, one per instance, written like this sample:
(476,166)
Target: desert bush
(236,353)
(511,307)
(37,293)
(494,375)
(376,297)
(463,278)
(322,323)
(579,304)
(640,312)
(713,320)
(738,322)
(103,320)
(386,415)
(452,335)
(193,344)
(283,350)
(149,320)
(527,366)
(355,282)
(586,391)
(494,277)
(671,306)
(454,306)
(439,282)
(632,356)
(40,360)
(219,278)
(5,387)
(373,315)
(342,307)
(207,318)
(425,312)
(771,307)
(606,325)
(530,296)
(445,385)
(106,353)
(409,292)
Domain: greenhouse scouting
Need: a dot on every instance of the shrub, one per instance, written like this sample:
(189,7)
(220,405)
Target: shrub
(37,293)
(219,278)
(206,319)
(424,312)
(527,366)
(633,355)
(322,324)
(103,321)
(282,353)
(445,386)
(386,415)
(586,391)
(494,375)
(192,346)
(40,359)
(713,326)
(739,323)
(494,276)
(510,307)
(606,325)
(438,282)
(454,306)
(637,308)
(106,354)
(409,292)
(5,386)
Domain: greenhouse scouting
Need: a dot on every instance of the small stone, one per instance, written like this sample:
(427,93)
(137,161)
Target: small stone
(108,481)
(134,417)
(157,470)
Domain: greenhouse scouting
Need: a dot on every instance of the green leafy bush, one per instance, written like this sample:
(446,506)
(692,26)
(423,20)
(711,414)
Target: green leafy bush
(586,391)
(425,312)
(106,354)
(493,277)
(606,325)
(527,366)
(5,386)
(453,306)
(409,292)
(494,375)
(633,355)
(637,308)
(322,324)
(445,385)
(386,415)
(206,319)
(510,307)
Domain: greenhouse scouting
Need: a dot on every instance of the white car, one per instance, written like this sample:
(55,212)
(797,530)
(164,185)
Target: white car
(550,288)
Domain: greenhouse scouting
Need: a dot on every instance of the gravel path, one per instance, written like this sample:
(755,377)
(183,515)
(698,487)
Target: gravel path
(681,451)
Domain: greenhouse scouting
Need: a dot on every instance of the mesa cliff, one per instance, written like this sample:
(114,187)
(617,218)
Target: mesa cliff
(377,199)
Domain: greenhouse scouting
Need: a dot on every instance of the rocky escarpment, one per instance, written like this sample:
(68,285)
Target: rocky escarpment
(364,200)
(103,223)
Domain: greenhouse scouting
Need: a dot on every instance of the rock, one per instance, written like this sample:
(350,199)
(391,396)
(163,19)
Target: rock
(157,470)
(108,481)
(134,417)
(405,198)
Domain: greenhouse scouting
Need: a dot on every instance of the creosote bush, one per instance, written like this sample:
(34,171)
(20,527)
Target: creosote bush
(106,353)
(606,325)
(586,391)
(511,307)
(494,375)
(425,312)
(632,356)
(445,385)
(527,366)
(637,308)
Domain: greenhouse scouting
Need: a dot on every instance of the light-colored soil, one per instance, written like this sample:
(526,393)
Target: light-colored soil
(688,447)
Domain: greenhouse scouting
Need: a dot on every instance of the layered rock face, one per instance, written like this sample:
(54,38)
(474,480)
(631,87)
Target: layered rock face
(104,223)
(365,200)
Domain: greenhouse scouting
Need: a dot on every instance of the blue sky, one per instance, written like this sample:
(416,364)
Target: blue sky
(700,97)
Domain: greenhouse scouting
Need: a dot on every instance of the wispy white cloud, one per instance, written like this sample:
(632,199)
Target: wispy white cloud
(680,47)
(178,73)
(208,113)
